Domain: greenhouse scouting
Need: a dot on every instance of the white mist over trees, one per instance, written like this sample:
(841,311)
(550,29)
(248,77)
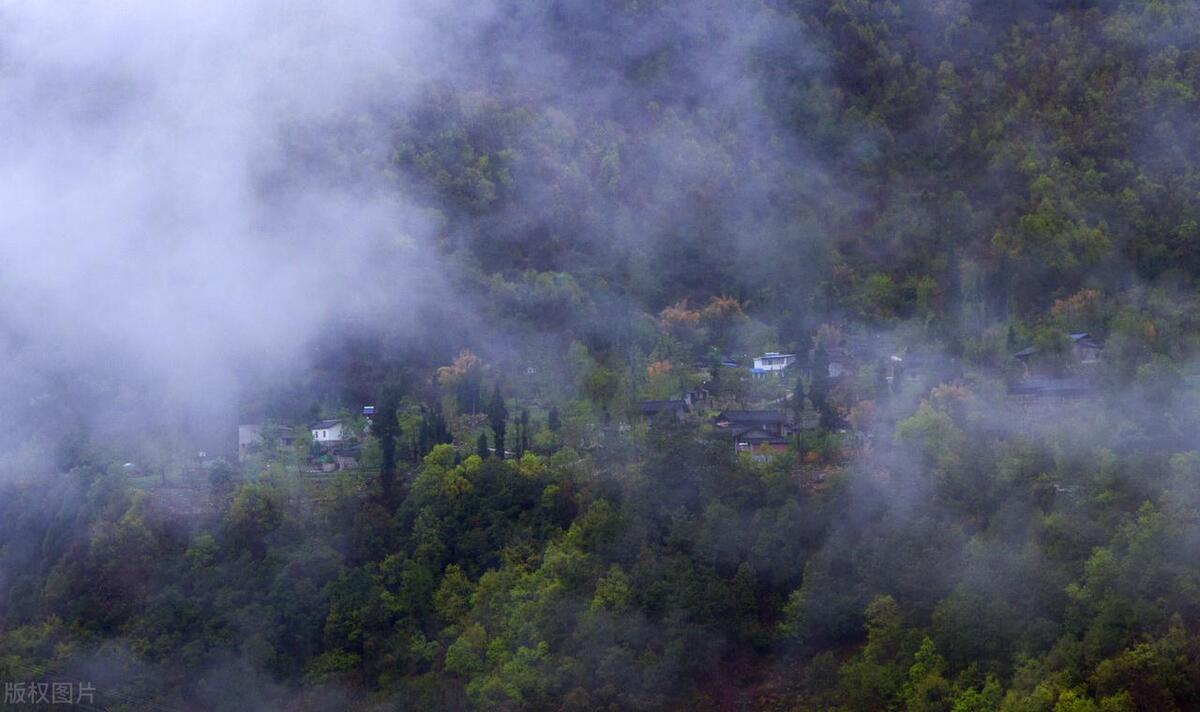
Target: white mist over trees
(161,225)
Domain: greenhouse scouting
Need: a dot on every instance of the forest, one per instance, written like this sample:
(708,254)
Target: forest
(967,232)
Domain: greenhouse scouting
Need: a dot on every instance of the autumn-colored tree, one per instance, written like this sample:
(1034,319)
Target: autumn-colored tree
(722,316)
(1078,312)
(464,376)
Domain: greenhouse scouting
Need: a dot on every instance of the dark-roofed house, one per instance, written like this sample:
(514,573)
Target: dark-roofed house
(1085,349)
(758,441)
(1057,381)
(653,409)
(762,432)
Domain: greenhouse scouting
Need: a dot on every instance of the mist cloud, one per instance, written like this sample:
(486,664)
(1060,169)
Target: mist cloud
(155,220)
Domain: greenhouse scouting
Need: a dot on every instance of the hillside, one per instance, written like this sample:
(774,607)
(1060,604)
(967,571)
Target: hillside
(766,355)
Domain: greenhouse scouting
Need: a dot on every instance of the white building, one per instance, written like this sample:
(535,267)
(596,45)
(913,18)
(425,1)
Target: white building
(770,363)
(327,431)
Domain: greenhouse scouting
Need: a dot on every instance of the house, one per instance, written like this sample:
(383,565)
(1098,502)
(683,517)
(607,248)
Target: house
(1085,350)
(653,409)
(761,432)
(759,442)
(1051,382)
(771,363)
(774,422)
(327,431)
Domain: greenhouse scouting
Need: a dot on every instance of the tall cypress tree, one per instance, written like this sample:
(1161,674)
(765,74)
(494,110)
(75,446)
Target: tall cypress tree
(818,389)
(497,417)
(819,372)
(386,428)
(441,432)
(798,396)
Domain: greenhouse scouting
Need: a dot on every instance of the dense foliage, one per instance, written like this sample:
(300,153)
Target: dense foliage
(692,182)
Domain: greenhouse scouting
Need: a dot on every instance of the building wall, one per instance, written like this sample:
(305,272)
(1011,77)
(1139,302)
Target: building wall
(326,435)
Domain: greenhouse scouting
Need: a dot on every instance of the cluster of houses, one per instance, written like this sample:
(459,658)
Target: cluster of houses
(760,432)
(1072,374)
(766,431)
(334,446)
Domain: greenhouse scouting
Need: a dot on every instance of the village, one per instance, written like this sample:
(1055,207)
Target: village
(813,408)
(806,413)
(834,385)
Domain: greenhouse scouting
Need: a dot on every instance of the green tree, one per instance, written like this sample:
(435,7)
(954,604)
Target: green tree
(385,426)
(819,384)
(497,414)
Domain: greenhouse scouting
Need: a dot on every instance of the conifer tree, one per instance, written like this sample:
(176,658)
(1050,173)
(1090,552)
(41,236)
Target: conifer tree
(386,429)
(497,417)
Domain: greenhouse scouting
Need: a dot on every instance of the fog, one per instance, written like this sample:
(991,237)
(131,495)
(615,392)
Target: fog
(161,223)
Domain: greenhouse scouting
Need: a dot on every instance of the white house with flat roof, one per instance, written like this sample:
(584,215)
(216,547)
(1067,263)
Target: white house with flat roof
(770,363)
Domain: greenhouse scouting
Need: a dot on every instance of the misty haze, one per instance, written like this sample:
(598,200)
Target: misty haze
(600,354)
